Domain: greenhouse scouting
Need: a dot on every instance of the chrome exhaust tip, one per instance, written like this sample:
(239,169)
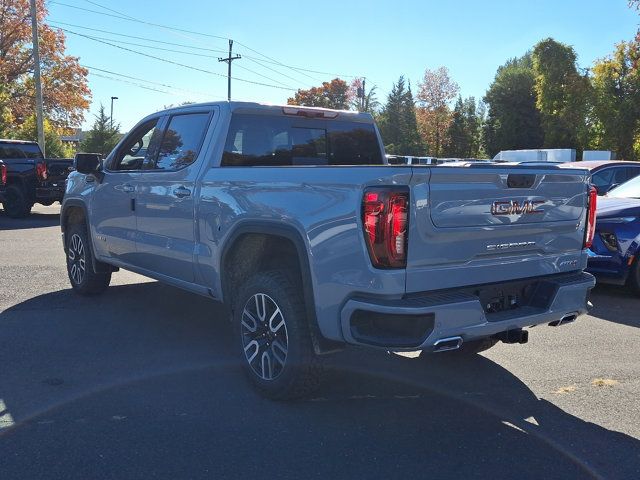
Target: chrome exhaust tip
(447,344)
(568,318)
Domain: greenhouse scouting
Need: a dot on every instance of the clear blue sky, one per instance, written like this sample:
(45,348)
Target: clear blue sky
(379,40)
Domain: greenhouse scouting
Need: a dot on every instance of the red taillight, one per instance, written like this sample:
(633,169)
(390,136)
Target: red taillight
(41,171)
(3,174)
(384,217)
(590,228)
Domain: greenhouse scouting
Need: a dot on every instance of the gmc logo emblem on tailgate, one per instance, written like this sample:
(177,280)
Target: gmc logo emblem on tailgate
(513,207)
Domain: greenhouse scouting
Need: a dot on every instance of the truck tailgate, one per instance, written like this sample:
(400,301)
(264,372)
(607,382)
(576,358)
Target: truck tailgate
(490,223)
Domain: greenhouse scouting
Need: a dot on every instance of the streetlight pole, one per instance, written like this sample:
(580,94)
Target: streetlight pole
(111,116)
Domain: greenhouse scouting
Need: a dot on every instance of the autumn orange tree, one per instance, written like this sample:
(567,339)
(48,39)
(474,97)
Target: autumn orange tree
(334,94)
(64,81)
(435,93)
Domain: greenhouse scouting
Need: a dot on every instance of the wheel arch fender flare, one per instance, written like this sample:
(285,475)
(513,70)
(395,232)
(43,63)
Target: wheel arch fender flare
(290,232)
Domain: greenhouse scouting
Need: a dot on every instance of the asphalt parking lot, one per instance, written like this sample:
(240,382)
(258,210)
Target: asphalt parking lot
(144,382)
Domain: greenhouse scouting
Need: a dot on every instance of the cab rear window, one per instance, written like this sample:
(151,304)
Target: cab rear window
(262,140)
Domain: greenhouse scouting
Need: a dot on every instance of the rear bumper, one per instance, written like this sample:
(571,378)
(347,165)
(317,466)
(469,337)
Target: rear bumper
(50,193)
(460,313)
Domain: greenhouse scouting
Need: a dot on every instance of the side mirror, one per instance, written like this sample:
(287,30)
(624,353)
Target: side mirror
(87,162)
(614,185)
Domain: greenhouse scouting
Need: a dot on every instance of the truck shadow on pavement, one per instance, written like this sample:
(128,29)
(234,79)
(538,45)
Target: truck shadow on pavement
(144,382)
(615,303)
(35,220)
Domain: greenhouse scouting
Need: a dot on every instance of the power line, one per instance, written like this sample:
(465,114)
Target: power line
(183,45)
(258,62)
(165,85)
(122,42)
(122,16)
(271,60)
(190,67)
(110,9)
(264,76)
(303,69)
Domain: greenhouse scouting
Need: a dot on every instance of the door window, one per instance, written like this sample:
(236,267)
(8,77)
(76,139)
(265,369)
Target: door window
(181,141)
(138,148)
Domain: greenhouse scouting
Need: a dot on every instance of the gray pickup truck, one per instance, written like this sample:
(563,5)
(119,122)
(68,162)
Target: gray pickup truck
(292,218)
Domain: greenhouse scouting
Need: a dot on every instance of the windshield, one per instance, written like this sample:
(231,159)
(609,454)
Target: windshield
(630,189)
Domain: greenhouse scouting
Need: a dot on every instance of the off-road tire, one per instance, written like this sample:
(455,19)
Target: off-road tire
(301,372)
(79,255)
(16,203)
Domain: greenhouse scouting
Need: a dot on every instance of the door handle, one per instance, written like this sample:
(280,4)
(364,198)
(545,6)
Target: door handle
(128,188)
(182,192)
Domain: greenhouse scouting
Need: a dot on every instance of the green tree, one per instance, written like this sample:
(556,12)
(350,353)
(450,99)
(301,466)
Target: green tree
(333,94)
(436,92)
(464,135)
(398,124)
(513,121)
(102,137)
(562,94)
(616,101)
(54,148)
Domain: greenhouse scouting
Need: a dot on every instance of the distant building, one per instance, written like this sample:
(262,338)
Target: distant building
(75,138)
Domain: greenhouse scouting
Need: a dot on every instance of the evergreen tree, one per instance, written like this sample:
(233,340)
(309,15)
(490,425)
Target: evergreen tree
(102,137)
(398,124)
(465,131)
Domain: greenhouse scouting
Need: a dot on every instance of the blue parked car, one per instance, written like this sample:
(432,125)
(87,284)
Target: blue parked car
(615,253)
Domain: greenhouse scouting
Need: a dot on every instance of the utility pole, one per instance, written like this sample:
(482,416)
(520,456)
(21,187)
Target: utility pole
(361,95)
(111,116)
(229,59)
(36,74)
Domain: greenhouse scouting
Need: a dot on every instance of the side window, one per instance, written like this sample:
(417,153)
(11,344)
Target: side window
(602,179)
(137,149)
(181,141)
(620,175)
(632,172)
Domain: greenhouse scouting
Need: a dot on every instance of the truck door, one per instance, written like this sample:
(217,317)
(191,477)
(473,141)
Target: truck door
(113,218)
(165,193)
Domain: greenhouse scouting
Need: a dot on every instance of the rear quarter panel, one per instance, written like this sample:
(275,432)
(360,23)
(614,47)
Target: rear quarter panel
(323,204)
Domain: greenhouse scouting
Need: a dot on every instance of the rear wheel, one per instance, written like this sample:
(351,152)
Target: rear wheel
(80,263)
(15,203)
(276,350)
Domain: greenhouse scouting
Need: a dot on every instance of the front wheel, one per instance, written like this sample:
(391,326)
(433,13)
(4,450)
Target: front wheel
(84,280)
(276,349)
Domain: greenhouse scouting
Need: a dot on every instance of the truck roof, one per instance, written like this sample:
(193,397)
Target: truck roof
(256,107)
(19,142)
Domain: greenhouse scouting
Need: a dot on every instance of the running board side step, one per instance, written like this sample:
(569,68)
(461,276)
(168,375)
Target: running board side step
(447,344)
